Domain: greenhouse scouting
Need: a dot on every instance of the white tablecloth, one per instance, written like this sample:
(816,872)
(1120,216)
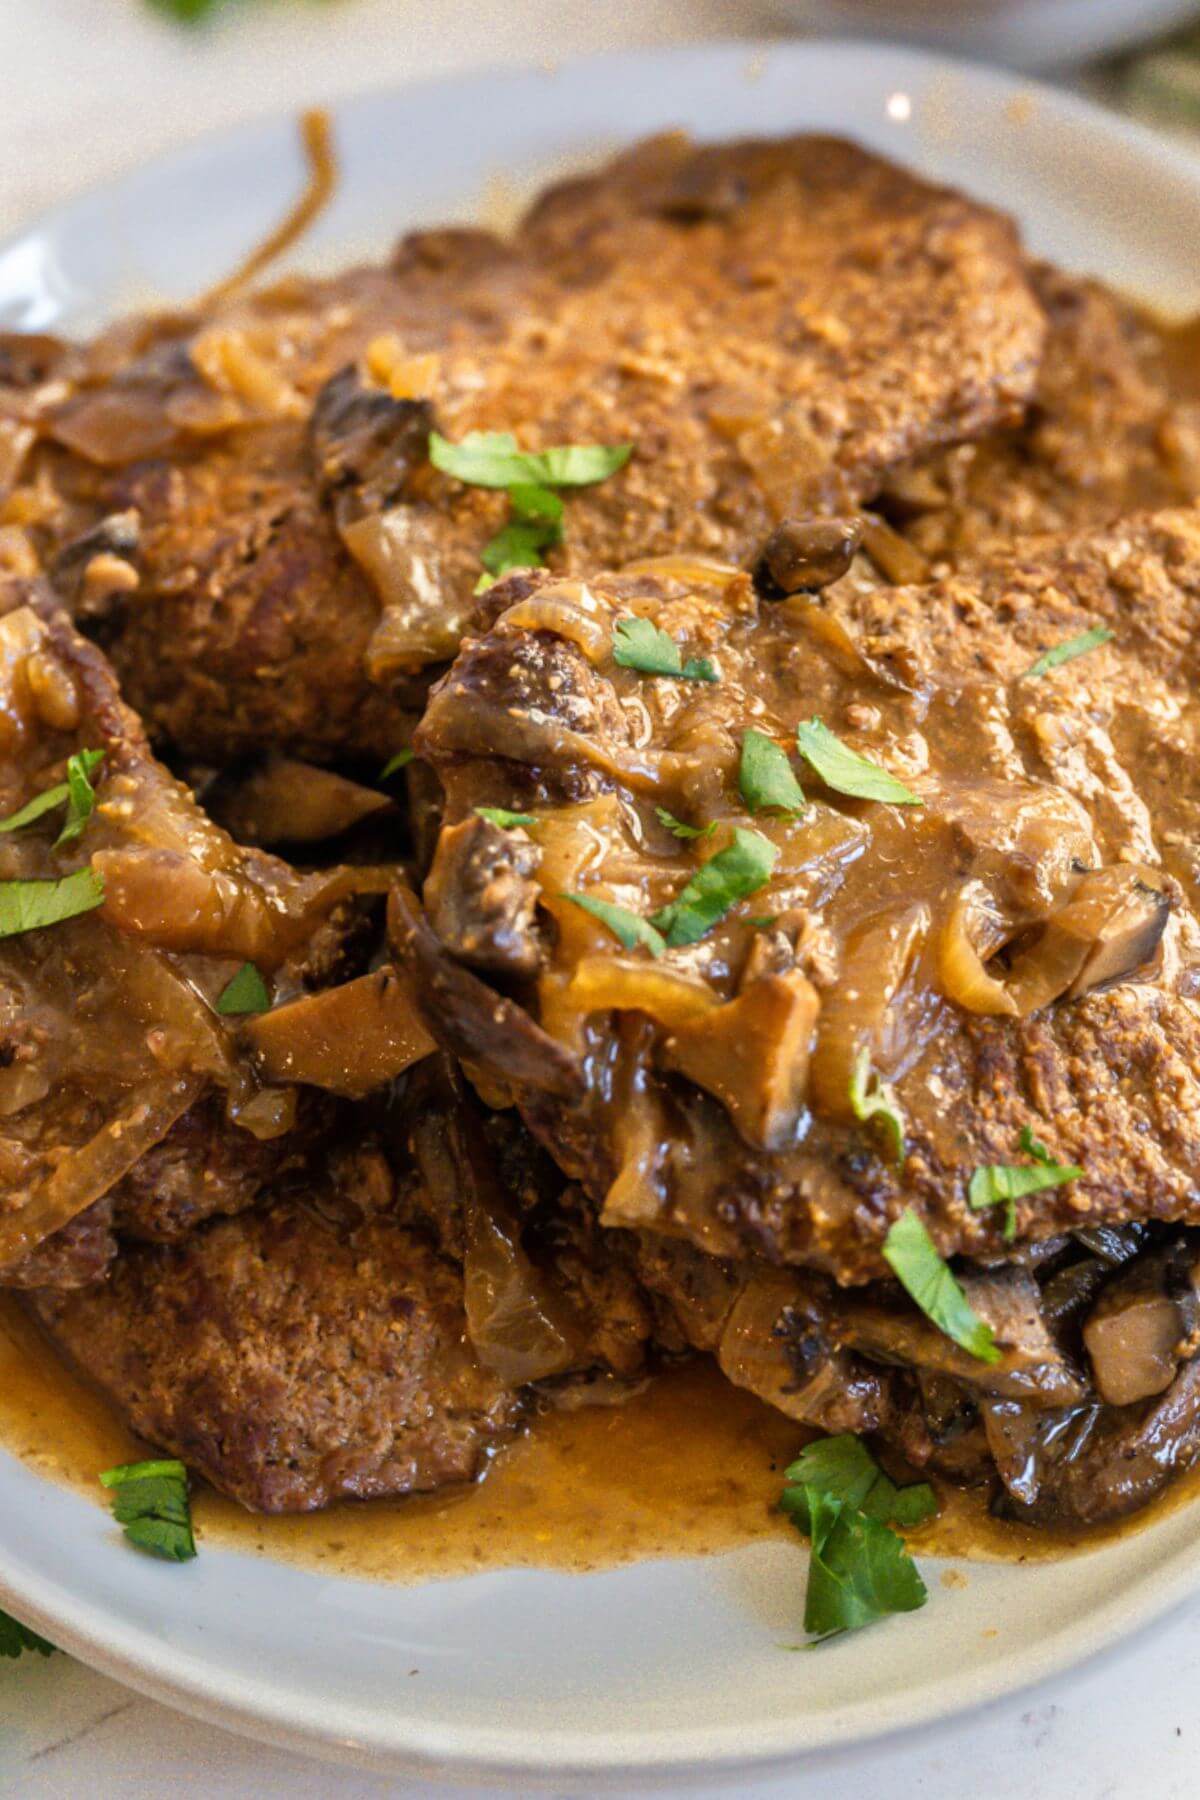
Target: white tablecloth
(88,87)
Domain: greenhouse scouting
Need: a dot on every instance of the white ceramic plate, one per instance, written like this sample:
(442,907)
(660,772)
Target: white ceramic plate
(670,1666)
(1024,34)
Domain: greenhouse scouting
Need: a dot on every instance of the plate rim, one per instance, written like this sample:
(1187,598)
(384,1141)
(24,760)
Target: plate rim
(282,1715)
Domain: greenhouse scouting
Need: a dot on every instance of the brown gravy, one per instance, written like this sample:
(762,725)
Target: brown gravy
(689,1467)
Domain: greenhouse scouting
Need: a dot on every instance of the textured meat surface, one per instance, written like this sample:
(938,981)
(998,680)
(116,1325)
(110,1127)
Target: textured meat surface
(1106,434)
(772,326)
(290,1362)
(1026,783)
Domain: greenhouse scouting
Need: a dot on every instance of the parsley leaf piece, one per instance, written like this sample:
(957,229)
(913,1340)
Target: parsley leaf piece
(41,803)
(729,876)
(997,1184)
(843,1468)
(75,793)
(245,993)
(628,927)
(639,644)
(1068,650)
(500,815)
(535,525)
(81,795)
(765,775)
(859,1571)
(679,829)
(188,12)
(30,905)
(491,459)
(846,772)
(15,1637)
(395,763)
(913,1258)
(150,1500)
(873,1098)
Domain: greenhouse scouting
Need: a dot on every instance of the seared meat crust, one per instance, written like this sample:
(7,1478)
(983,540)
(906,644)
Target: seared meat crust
(289,1362)
(929,682)
(773,326)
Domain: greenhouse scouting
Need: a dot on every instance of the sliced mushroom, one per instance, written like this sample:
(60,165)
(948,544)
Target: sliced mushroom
(1142,1324)
(349,1039)
(775,1343)
(1109,929)
(1032,1367)
(481,898)
(804,555)
(285,801)
(753,1054)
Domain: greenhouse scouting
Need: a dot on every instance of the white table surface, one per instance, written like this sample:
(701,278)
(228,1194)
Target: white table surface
(88,87)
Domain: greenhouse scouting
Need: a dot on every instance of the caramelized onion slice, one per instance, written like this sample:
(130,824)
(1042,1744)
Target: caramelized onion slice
(568,610)
(349,1039)
(88,1173)
(291,802)
(519,1326)
(973,932)
(858,1013)
(173,901)
(620,984)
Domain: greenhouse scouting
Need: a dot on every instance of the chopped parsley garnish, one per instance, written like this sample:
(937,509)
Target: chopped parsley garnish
(1068,650)
(639,644)
(491,459)
(535,524)
(30,905)
(678,828)
(395,763)
(873,1098)
(246,993)
(844,1469)
(15,1637)
(729,876)
(75,793)
(150,1500)
(860,1571)
(500,815)
(913,1258)
(846,772)
(1003,1184)
(766,777)
(629,927)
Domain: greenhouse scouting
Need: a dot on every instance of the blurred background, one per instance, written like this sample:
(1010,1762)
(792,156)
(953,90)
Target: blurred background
(88,87)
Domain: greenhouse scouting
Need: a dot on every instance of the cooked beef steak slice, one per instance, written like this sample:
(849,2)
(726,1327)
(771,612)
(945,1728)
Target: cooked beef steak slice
(1043,819)
(109,1031)
(290,1362)
(832,319)
(1108,433)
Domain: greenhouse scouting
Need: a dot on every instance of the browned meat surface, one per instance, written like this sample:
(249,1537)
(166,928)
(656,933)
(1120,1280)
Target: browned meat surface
(774,327)
(1108,433)
(290,1362)
(204,1167)
(109,1034)
(1016,951)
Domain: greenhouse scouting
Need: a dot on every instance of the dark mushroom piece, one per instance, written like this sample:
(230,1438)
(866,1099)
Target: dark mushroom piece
(1031,1368)
(1143,1324)
(802,556)
(481,898)
(1108,930)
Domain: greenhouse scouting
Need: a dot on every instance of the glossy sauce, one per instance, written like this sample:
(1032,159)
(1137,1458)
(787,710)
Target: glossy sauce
(689,1467)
